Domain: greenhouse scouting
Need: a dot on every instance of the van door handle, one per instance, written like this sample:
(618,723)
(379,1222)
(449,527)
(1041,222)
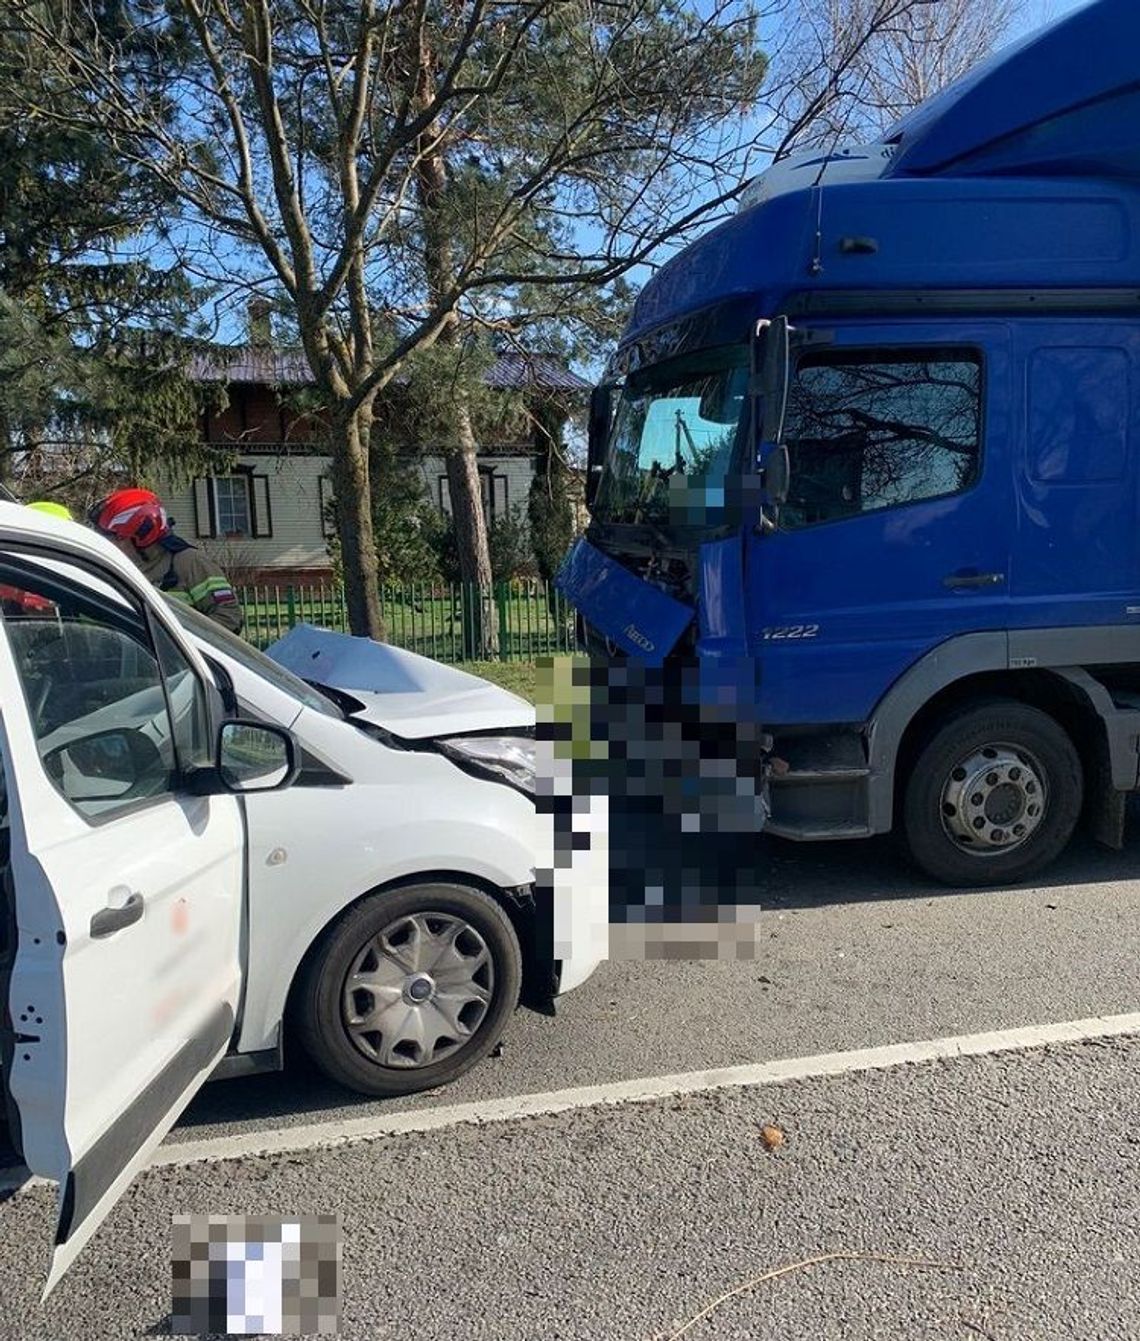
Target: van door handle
(970,578)
(109,920)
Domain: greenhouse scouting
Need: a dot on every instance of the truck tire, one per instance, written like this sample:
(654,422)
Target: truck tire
(438,973)
(993,796)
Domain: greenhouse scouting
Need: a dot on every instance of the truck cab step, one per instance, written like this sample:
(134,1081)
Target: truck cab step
(818,776)
(817,833)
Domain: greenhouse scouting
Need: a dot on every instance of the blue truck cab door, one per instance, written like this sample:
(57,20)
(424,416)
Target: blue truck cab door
(897,527)
(1077,563)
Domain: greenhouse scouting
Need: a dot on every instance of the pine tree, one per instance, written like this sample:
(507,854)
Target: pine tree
(550,509)
(92,350)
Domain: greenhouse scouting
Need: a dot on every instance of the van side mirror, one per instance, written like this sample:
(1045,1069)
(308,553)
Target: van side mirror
(601,412)
(108,765)
(255,757)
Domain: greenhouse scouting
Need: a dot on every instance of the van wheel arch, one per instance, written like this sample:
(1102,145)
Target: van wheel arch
(449,1009)
(513,910)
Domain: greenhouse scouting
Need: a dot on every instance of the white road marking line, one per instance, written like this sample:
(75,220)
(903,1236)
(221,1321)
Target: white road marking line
(348,1131)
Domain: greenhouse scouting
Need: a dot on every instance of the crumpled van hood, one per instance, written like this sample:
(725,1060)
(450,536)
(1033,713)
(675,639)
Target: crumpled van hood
(411,696)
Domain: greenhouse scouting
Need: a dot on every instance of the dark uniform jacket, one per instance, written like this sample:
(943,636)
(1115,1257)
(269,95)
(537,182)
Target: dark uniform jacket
(181,569)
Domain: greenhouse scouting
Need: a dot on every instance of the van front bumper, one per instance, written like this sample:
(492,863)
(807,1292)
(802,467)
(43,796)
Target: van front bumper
(568,923)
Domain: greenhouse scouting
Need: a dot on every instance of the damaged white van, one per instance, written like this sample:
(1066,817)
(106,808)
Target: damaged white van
(204,858)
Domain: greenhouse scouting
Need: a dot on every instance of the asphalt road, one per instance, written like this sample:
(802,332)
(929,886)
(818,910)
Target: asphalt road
(1017,1174)
(853,951)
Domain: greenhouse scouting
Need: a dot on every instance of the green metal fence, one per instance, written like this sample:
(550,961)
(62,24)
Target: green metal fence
(522,620)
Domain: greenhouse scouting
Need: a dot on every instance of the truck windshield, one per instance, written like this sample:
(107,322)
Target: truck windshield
(675,437)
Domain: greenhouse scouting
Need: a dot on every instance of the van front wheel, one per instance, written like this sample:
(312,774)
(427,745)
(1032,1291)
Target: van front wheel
(993,796)
(409,989)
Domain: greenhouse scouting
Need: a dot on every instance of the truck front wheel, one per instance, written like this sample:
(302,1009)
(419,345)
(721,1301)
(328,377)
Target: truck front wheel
(993,796)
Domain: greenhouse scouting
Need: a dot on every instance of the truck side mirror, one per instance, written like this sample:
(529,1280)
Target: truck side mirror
(770,380)
(771,372)
(777,472)
(601,412)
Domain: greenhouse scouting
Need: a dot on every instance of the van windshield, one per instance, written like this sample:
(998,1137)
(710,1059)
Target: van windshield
(230,645)
(676,436)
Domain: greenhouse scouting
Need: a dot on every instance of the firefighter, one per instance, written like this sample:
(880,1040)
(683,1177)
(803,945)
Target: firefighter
(14,600)
(52,510)
(137,522)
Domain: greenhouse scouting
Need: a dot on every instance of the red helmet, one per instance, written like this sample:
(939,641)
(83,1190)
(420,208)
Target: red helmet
(131,514)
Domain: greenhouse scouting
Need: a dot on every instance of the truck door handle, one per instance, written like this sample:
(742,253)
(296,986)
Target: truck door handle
(968,578)
(109,920)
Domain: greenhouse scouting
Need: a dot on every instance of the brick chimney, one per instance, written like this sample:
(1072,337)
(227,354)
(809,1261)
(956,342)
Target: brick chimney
(258,319)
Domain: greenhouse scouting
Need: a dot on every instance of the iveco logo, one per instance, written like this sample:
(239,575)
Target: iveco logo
(636,636)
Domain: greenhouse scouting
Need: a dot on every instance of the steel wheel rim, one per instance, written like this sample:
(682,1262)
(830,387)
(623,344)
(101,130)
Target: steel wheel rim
(418,991)
(994,800)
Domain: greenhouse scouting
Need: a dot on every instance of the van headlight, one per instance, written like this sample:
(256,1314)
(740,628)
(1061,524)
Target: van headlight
(509,759)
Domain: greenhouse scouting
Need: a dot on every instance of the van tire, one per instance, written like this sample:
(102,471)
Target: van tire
(321,1008)
(942,810)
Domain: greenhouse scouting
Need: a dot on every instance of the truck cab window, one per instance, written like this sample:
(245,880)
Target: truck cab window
(867,432)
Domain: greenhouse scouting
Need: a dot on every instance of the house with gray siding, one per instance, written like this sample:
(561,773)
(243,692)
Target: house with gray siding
(265,518)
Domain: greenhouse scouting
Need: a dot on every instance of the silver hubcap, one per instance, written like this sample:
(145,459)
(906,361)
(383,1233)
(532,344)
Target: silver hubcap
(994,800)
(419,990)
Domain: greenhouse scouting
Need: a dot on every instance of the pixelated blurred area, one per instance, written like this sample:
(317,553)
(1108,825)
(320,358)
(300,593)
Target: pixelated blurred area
(683,765)
(727,934)
(256,1275)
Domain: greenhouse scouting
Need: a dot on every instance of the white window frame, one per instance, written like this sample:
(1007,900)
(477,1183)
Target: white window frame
(244,480)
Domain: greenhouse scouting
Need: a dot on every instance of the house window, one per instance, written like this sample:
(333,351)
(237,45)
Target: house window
(493,489)
(327,499)
(231,493)
(233,507)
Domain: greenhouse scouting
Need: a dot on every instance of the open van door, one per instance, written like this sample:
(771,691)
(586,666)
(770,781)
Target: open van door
(122,890)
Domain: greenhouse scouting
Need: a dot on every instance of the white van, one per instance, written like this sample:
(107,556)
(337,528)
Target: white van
(393,905)
(181,883)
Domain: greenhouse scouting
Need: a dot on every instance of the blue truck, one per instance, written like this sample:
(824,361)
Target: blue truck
(878,435)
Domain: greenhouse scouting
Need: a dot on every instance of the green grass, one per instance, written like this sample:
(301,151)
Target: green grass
(565,695)
(517,676)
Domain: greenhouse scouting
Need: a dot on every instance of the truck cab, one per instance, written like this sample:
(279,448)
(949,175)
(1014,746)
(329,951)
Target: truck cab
(877,436)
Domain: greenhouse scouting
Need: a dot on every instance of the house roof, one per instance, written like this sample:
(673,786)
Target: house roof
(289,367)
(538,372)
(251,363)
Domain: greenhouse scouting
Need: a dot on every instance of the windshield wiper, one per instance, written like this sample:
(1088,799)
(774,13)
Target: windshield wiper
(656,472)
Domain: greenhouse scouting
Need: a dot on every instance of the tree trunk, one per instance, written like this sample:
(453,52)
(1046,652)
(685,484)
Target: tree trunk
(350,438)
(550,512)
(481,632)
